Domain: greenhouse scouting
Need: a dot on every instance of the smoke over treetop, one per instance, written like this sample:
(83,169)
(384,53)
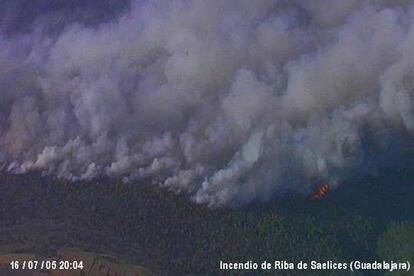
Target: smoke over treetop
(227,101)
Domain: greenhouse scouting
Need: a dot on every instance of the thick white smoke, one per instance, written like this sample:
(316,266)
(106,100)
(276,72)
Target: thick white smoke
(229,101)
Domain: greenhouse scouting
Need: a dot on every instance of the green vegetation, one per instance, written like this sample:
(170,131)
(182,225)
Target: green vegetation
(397,243)
(160,230)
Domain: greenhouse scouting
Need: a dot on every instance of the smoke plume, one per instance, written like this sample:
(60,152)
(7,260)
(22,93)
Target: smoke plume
(227,101)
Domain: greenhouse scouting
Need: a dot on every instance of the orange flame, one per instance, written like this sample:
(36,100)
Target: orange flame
(321,192)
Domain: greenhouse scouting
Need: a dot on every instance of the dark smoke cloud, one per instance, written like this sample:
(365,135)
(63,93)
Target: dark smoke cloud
(19,16)
(229,101)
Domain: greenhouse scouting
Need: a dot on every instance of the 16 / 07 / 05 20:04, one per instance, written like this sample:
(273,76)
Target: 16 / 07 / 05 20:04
(45,265)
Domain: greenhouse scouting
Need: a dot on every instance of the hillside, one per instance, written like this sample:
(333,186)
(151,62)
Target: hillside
(168,233)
